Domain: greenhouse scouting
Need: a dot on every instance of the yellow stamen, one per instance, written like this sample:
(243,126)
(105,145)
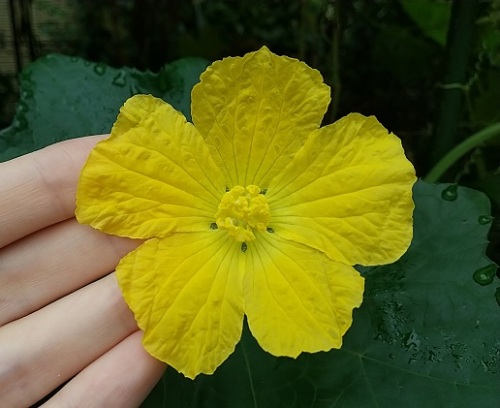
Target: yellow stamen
(242,210)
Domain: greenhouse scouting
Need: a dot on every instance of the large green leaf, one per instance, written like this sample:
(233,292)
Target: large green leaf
(64,98)
(431,16)
(427,335)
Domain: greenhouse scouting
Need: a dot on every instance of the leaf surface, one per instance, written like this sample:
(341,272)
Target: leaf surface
(432,17)
(67,97)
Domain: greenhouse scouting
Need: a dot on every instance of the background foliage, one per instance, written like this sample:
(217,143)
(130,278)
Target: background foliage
(427,333)
(428,69)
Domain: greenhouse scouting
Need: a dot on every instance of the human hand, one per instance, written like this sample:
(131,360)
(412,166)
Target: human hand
(62,316)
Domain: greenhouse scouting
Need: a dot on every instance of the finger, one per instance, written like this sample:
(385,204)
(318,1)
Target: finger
(122,378)
(38,189)
(53,262)
(46,348)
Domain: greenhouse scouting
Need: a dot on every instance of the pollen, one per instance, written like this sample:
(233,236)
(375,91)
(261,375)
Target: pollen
(242,211)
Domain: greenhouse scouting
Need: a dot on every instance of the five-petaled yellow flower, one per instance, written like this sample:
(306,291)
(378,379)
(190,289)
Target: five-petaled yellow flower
(254,210)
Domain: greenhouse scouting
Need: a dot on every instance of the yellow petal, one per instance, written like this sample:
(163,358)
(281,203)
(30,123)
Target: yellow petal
(152,176)
(297,299)
(348,193)
(186,293)
(256,111)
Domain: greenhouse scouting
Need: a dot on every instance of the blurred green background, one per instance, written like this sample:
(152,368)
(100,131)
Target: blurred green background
(428,69)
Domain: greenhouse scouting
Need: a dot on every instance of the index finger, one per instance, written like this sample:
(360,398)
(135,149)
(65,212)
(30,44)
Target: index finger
(38,189)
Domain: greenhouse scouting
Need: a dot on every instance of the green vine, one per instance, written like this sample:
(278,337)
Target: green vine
(460,150)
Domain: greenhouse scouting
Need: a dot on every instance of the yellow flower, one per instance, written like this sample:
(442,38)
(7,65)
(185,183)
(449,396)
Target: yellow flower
(254,210)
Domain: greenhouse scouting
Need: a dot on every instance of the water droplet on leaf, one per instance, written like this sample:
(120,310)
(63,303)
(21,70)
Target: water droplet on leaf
(134,90)
(20,123)
(450,193)
(120,79)
(412,341)
(100,69)
(22,107)
(485,275)
(26,93)
(484,219)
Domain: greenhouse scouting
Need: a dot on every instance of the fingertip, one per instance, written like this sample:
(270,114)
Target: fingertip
(123,377)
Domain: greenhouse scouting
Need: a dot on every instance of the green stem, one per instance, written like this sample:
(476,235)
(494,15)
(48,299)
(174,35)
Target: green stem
(459,45)
(460,150)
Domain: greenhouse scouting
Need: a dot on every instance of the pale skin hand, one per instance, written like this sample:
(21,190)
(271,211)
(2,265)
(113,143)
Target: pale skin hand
(62,316)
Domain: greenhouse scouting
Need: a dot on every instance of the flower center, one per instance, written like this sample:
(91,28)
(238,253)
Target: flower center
(241,210)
